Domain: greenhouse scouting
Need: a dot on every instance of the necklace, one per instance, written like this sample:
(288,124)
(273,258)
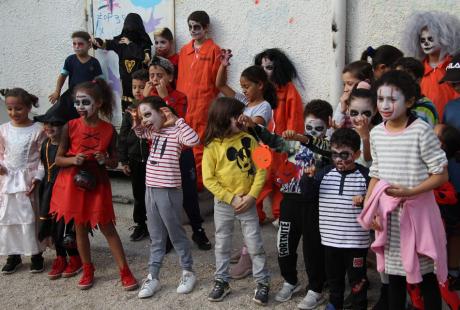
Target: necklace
(48,166)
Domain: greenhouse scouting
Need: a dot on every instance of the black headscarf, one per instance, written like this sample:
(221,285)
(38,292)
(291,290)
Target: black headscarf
(134,30)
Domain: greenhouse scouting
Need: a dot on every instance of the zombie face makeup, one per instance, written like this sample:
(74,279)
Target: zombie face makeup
(197,31)
(52,131)
(315,127)
(162,46)
(268,66)
(428,42)
(151,118)
(85,105)
(359,108)
(80,46)
(391,102)
(343,157)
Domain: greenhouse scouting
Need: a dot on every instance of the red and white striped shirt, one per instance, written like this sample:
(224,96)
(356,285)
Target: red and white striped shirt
(163,163)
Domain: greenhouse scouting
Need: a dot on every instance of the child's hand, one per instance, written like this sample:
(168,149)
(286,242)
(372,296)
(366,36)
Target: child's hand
(247,202)
(310,171)
(126,170)
(134,116)
(398,191)
(171,119)
(35,182)
(79,159)
(100,157)
(148,89)
(236,201)
(162,90)
(53,97)
(375,225)
(361,125)
(358,201)
(292,135)
(336,125)
(344,101)
(3,170)
(124,40)
(246,121)
(225,56)
(97,42)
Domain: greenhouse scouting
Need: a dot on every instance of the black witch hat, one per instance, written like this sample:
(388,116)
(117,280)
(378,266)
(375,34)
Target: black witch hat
(57,115)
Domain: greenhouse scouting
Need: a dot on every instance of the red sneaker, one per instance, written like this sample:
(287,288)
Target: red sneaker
(87,278)
(57,268)
(127,279)
(73,267)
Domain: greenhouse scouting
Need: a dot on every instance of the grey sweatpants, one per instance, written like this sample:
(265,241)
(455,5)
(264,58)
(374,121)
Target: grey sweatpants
(164,207)
(224,219)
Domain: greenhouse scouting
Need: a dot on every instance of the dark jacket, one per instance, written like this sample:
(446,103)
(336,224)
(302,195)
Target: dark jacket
(130,147)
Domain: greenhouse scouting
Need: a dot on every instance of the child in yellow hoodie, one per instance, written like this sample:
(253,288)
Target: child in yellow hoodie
(234,180)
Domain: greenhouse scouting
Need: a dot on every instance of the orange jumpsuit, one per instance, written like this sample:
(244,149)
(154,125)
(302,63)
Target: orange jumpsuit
(287,115)
(440,94)
(197,80)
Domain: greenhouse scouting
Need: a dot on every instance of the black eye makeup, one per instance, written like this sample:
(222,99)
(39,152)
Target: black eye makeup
(317,128)
(342,155)
(195,27)
(366,113)
(84,102)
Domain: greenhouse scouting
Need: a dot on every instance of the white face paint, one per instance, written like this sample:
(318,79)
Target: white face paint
(151,118)
(391,102)
(315,127)
(428,42)
(197,31)
(268,66)
(85,105)
(359,108)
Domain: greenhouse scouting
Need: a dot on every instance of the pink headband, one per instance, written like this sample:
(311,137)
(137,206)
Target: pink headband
(363,85)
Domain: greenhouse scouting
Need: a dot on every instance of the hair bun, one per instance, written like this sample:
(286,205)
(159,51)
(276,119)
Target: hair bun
(370,51)
(4,91)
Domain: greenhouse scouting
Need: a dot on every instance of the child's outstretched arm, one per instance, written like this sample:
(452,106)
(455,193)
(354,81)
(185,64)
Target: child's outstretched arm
(187,136)
(57,91)
(221,78)
(317,145)
(66,161)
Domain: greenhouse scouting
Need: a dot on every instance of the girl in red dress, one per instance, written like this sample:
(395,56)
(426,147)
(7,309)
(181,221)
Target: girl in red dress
(82,190)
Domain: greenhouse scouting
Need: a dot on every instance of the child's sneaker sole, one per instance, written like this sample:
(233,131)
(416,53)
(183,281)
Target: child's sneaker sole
(84,287)
(54,276)
(12,271)
(259,302)
(221,297)
(72,274)
(37,270)
(131,287)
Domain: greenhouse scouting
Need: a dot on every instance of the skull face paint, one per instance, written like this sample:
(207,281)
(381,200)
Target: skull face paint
(391,102)
(342,157)
(85,105)
(428,42)
(197,31)
(151,118)
(315,127)
(360,108)
(268,66)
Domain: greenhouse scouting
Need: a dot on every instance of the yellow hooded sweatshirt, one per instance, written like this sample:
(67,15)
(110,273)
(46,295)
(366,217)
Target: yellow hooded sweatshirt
(228,169)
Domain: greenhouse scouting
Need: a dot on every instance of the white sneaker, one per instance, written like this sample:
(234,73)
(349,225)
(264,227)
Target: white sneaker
(149,287)
(187,282)
(287,291)
(311,301)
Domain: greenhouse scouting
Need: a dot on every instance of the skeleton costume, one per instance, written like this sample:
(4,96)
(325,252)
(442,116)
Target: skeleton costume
(428,33)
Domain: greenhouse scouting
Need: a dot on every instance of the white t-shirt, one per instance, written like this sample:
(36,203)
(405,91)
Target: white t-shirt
(263,109)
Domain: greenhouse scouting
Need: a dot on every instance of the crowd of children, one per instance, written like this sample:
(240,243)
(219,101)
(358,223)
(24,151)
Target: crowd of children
(382,171)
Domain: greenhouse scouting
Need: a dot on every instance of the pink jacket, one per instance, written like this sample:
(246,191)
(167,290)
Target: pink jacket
(421,230)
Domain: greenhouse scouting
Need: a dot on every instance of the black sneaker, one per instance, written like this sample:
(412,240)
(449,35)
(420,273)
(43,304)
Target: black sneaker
(200,238)
(37,263)
(139,233)
(261,294)
(12,264)
(219,291)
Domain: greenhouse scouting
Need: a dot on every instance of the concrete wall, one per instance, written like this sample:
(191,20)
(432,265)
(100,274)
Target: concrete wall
(35,35)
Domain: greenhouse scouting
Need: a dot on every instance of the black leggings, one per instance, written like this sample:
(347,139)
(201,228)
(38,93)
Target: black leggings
(429,288)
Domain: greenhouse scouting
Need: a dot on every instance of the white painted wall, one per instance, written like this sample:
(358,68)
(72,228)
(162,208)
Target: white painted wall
(35,35)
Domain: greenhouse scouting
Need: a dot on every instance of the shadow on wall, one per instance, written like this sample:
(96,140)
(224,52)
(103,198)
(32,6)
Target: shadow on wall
(3,115)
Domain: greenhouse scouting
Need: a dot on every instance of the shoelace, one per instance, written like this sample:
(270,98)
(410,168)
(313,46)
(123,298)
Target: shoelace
(263,289)
(218,286)
(184,279)
(146,282)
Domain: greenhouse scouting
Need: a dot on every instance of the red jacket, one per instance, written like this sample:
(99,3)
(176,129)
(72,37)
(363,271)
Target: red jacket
(175,99)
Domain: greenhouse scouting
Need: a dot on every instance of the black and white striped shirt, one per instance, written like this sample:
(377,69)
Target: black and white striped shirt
(334,190)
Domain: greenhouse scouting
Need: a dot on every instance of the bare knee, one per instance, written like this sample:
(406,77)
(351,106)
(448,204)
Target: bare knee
(108,230)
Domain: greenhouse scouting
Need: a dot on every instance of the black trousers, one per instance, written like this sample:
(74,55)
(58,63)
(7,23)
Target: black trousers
(189,189)
(297,219)
(138,186)
(429,288)
(351,262)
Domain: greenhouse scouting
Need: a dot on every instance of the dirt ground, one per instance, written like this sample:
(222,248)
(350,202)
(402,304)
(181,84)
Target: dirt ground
(23,290)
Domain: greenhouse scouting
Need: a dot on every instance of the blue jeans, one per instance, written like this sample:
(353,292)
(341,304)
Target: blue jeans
(224,220)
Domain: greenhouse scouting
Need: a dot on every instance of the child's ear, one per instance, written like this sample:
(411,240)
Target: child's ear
(356,155)
(410,102)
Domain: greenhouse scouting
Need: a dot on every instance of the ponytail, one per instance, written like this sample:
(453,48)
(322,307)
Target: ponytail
(384,54)
(26,98)
(99,90)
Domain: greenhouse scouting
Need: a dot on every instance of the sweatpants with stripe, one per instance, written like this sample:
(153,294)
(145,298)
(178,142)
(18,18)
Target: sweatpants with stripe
(164,207)
(299,219)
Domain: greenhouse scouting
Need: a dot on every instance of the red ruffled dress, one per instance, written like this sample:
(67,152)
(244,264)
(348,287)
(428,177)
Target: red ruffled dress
(94,206)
